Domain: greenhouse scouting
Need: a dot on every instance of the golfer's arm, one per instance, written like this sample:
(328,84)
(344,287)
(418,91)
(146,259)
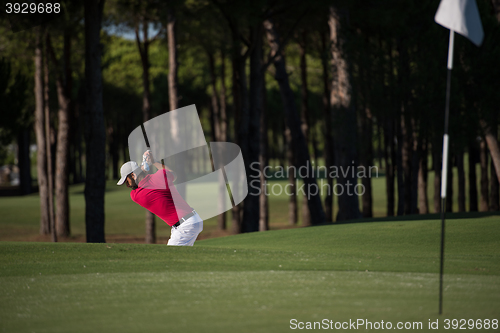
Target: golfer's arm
(158,165)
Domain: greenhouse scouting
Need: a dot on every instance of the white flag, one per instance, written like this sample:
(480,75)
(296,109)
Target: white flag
(461,16)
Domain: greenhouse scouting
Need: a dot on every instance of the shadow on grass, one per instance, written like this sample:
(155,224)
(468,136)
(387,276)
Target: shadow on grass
(418,217)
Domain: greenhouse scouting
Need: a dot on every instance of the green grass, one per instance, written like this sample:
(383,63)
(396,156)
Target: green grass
(254,282)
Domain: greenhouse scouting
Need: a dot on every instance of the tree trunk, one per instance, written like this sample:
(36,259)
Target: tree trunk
(293,121)
(436,161)
(400,169)
(406,130)
(264,161)
(64,87)
(494,190)
(345,123)
(172,62)
(238,87)
(327,115)
(114,149)
(314,143)
(173,94)
(250,133)
(146,111)
(95,182)
(473,207)
(221,219)
(48,131)
(449,185)
(415,166)
(491,140)
(406,164)
(483,157)
(41,162)
(365,133)
(423,202)
(72,152)
(240,107)
(213,97)
(41,137)
(390,137)
(292,200)
(461,180)
(304,114)
(494,182)
(223,102)
(217,132)
(24,161)
(79,119)
(366,161)
(280,148)
(491,135)
(389,154)
(379,146)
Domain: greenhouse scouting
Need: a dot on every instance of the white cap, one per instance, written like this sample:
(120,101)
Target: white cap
(126,170)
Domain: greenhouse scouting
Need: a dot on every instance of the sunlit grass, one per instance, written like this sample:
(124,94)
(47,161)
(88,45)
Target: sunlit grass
(255,282)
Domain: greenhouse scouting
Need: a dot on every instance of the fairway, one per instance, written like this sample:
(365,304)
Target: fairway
(255,282)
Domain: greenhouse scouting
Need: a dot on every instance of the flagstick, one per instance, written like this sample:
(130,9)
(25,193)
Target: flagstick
(444,171)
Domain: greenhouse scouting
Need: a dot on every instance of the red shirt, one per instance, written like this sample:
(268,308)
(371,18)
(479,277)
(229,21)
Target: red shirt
(157,193)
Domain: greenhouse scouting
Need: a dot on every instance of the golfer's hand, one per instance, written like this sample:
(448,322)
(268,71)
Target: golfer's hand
(148,156)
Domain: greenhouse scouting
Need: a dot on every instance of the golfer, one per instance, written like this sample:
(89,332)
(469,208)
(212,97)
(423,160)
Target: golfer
(157,193)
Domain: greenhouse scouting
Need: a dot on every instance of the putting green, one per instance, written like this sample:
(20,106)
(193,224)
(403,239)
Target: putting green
(255,282)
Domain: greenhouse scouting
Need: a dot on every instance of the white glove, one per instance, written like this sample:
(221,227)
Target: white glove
(145,157)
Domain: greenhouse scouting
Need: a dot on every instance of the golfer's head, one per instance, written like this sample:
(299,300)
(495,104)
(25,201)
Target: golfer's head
(129,172)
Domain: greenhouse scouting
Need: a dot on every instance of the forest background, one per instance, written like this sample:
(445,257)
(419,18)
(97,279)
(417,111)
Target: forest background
(304,84)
